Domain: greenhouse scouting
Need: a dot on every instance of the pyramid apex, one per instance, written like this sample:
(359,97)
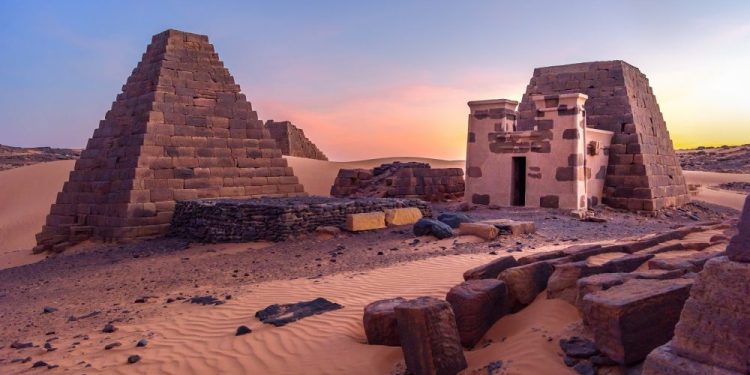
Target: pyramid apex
(179,35)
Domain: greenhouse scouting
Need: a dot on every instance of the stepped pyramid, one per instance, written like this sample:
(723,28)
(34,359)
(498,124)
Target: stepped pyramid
(644,172)
(179,130)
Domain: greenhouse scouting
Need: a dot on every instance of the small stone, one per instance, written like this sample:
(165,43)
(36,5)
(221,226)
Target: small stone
(39,364)
(141,343)
(242,330)
(112,345)
(48,310)
(21,345)
(584,368)
(141,300)
(109,328)
(578,347)
(134,358)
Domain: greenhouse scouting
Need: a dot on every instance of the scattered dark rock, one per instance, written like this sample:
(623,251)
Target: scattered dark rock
(89,315)
(21,345)
(494,366)
(141,343)
(454,219)
(426,226)
(38,364)
(570,361)
(21,360)
(206,300)
(280,315)
(578,347)
(109,328)
(242,330)
(48,310)
(134,358)
(141,300)
(584,368)
(112,345)
(49,347)
(602,360)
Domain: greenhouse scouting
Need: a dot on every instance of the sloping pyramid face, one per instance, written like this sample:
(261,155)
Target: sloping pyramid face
(644,172)
(179,130)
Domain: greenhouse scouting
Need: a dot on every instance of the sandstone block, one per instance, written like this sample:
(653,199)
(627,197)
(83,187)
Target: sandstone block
(526,282)
(380,322)
(664,361)
(738,249)
(365,221)
(402,216)
(630,320)
(429,337)
(512,227)
(477,304)
(481,230)
(492,269)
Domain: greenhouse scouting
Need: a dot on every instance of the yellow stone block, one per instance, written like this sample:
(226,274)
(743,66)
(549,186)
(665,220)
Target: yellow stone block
(365,221)
(485,231)
(402,216)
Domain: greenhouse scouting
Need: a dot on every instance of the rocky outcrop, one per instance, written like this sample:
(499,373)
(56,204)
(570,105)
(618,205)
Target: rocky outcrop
(429,337)
(411,180)
(477,304)
(426,227)
(14,157)
(380,323)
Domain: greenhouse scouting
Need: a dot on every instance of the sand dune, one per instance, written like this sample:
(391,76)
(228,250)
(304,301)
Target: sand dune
(191,339)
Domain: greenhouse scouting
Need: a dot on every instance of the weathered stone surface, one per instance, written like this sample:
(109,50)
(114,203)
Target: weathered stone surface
(365,221)
(400,180)
(454,219)
(481,230)
(492,269)
(562,282)
(280,315)
(526,282)
(402,216)
(180,129)
(292,140)
(688,263)
(273,219)
(630,320)
(664,361)
(738,249)
(477,304)
(426,227)
(429,337)
(512,227)
(380,323)
(605,281)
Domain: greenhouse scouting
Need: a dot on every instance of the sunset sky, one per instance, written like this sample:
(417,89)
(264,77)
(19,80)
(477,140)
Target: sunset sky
(378,78)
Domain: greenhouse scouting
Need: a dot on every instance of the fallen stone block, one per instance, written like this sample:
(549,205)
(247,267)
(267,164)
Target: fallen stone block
(562,284)
(688,263)
(664,361)
(604,281)
(402,216)
(426,227)
(365,221)
(280,315)
(738,249)
(481,230)
(429,337)
(477,304)
(492,269)
(627,263)
(569,254)
(526,282)
(630,320)
(380,322)
(511,227)
(454,219)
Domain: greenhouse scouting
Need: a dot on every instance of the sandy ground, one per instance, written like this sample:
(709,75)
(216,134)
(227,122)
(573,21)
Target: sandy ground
(709,191)
(190,339)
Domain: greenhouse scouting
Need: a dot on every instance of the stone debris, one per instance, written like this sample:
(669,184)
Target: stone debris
(48,310)
(206,300)
(454,219)
(484,231)
(477,305)
(379,320)
(402,216)
(365,221)
(21,345)
(242,330)
(400,180)
(492,269)
(512,227)
(133,359)
(112,345)
(109,328)
(281,315)
(427,227)
(630,320)
(429,337)
(141,343)
(273,219)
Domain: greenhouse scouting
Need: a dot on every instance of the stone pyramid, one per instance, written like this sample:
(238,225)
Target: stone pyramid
(644,172)
(179,130)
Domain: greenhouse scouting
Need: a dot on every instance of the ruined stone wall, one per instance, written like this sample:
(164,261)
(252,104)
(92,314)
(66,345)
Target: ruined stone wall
(292,140)
(417,180)
(179,130)
(238,220)
(643,171)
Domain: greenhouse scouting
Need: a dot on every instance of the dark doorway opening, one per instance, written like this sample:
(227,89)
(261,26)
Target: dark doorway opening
(518,182)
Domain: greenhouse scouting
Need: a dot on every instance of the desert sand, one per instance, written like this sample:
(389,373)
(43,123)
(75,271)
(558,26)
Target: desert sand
(191,339)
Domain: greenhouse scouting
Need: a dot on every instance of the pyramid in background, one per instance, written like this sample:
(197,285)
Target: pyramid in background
(179,130)
(644,172)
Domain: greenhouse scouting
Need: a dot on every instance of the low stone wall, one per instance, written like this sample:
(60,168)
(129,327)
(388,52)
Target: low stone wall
(400,180)
(292,140)
(272,219)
